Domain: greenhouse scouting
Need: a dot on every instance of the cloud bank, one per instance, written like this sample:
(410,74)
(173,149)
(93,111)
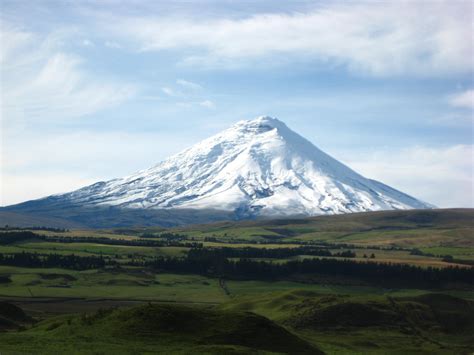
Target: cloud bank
(374,38)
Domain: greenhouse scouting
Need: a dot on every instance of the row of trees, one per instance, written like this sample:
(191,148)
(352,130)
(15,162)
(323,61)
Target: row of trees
(392,275)
(401,275)
(313,243)
(164,235)
(19,236)
(35,260)
(39,228)
(274,253)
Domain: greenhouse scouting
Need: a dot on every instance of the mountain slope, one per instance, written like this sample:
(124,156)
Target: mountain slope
(257,167)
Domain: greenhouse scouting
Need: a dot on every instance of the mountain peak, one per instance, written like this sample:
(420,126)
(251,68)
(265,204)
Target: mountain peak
(263,120)
(256,167)
(260,124)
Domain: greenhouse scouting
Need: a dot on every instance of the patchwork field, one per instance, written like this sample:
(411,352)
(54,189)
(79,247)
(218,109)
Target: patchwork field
(389,282)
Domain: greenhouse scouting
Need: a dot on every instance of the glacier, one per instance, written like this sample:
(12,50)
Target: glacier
(256,167)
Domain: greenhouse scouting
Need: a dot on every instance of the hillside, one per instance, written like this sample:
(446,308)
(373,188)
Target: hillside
(42,213)
(293,321)
(158,328)
(427,324)
(411,228)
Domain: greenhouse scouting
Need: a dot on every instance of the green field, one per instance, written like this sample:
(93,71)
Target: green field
(123,306)
(424,228)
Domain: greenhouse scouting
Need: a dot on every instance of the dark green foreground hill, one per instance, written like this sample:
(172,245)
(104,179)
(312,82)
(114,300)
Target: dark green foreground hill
(12,317)
(292,322)
(362,324)
(155,328)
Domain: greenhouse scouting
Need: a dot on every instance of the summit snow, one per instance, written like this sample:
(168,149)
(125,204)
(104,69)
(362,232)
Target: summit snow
(256,167)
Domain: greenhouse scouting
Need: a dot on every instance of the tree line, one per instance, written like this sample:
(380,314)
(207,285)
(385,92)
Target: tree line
(380,273)
(19,236)
(273,253)
(313,243)
(35,260)
(38,228)
(401,275)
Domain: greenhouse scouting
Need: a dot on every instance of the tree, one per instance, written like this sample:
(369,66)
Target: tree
(448,258)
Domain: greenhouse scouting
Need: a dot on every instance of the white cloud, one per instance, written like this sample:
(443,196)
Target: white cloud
(208,104)
(168,91)
(378,38)
(442,176)
(464,99)
(189,85)
(42,82)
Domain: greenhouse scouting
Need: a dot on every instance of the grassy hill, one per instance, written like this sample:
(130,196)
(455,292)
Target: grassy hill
(12,317)
(429,323)
(19,219)
(157,328)
(46,212)
(296,322)
(411,228)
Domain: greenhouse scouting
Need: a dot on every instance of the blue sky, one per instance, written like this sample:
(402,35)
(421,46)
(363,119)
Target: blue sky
(92,90)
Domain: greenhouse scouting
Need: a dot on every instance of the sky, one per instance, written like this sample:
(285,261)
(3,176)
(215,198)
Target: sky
(94,90)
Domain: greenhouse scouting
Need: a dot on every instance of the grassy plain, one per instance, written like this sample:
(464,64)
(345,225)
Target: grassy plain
(302,310)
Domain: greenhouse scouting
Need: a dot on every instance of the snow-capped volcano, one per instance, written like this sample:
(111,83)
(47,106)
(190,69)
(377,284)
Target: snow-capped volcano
(256,167)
